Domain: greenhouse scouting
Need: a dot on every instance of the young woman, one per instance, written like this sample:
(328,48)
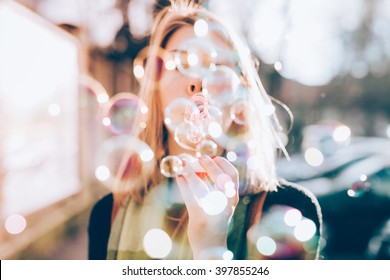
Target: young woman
(153,217)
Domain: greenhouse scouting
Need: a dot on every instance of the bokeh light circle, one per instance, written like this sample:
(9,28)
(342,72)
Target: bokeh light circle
(157,244)
(214,203)
(15,224)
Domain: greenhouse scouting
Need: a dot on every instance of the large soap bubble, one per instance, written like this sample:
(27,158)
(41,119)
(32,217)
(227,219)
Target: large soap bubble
(195,57)
(220,84)
(91,87)
(126,113)
(122,157)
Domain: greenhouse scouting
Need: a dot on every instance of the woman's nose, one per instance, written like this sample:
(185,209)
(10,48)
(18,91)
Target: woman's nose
(194,87)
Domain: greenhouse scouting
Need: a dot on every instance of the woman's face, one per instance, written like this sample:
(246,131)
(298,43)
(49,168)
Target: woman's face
(173,84)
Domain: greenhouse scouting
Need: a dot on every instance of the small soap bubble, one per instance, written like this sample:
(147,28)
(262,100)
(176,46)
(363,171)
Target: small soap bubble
(206,147)
(182,133)
(171,166)
(90,86)
(196,111)
(195,133)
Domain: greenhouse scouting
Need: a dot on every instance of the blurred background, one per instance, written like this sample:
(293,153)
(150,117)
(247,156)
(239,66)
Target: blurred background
(61,61)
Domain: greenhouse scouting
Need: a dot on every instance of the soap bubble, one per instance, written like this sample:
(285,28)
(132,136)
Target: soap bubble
(196,110)
(239,111)
(159,57)
(214,114)
(192,162)
(195,57)
(220,85)
(230,127)
(111,153)
(230,137)
(92,87)
(187,136)
(93,98)
(206,147)
(171,166)
(174,113)
(122,113)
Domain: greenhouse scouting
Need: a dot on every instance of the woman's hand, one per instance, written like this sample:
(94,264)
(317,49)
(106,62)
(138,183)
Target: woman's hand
(210,206)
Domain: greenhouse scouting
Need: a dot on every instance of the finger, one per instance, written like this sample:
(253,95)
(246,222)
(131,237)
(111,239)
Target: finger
(211,167)
(230,187)
(191,161)
(227,168)
(222,179)
(196,184)
(187,194)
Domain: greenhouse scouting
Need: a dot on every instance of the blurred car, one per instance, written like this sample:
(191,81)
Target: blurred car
(352,185)
(358,148)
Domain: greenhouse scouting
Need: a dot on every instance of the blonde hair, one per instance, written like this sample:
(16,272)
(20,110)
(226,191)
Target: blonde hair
(261,130)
